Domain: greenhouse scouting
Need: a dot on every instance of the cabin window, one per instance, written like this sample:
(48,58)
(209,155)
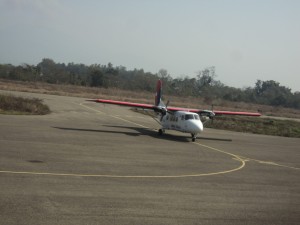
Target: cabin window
(182,117)
(189,117)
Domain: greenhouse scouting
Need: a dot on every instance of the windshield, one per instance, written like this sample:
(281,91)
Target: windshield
(192,117)
(189,117)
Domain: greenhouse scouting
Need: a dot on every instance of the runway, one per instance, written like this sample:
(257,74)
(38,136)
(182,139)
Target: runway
(89,163)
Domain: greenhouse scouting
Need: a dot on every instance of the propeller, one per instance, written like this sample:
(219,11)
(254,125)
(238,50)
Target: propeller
(164,110)
(208,113)
(167,103)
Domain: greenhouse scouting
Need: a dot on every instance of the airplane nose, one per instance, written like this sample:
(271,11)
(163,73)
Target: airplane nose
(197,127)
(200,126)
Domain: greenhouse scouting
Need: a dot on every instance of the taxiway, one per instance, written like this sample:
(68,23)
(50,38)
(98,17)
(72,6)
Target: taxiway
(88,163)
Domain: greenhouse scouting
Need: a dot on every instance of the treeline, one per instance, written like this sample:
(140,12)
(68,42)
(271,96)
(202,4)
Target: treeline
(203,85)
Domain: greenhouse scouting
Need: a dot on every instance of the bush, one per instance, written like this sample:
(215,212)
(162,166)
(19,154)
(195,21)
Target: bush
(18,105)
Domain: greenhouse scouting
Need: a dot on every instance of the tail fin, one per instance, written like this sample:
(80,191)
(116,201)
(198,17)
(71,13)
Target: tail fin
(158,93)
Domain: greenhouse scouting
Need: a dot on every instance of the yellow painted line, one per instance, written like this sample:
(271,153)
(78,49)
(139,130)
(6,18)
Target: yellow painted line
(140,176)
(133,176)
(96,110)
(246,159)
(238,158)
(117,117)
(270,163)
(137,176)
(125,176)
(290,167)
(128,121)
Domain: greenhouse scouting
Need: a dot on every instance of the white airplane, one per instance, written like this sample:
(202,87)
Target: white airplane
(172,118)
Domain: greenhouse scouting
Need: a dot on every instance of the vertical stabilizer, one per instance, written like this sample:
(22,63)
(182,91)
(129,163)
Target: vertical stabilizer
(158,93)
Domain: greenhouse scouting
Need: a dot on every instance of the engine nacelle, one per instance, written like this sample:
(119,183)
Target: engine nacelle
(207,113)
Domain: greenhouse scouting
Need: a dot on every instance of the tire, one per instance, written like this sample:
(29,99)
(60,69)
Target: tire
(160,131)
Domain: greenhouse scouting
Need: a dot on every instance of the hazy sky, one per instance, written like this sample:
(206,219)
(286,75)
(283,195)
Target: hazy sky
(245,40)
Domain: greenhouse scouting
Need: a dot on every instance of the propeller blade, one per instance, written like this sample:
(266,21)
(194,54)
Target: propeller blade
(167,103)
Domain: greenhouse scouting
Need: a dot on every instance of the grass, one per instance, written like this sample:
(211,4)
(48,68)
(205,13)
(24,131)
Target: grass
(267,126)
(22,106)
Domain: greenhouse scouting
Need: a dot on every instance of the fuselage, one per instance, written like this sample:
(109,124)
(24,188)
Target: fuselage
(186,122)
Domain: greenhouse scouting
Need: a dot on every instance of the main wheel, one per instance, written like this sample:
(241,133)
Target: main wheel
(160,131)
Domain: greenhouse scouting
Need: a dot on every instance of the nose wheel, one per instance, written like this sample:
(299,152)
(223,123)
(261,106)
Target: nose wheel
(193,137)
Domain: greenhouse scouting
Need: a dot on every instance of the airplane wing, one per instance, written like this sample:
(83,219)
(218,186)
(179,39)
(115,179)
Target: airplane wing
(130,104)
(162,108)
(236,113)
(157,108)
(216,112)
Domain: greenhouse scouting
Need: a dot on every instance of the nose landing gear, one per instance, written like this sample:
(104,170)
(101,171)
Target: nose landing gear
(193,137)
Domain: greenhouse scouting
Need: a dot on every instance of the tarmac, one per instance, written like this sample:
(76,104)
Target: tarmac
(89,163)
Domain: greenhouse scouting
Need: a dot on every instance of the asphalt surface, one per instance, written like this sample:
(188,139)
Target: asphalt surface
(89,163)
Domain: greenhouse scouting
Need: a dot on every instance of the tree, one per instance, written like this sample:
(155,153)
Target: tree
(206,77)
(203,85)
(96,78)
(271,93)
(166,79)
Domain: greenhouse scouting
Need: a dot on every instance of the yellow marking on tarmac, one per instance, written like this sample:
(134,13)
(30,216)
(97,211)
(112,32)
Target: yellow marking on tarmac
(136,176)
(117,117)
(126,176)
(269,163)
(128,121)
(238,158)
(96,110)
(218,150)
(246,159)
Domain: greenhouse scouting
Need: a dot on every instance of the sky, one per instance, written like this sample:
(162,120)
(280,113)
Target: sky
(245,40)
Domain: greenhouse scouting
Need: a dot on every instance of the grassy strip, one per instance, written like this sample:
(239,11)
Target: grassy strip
(285,128)
(22,106)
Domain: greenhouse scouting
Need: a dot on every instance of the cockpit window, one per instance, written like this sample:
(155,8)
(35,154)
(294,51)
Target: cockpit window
(189,117)
(197,117)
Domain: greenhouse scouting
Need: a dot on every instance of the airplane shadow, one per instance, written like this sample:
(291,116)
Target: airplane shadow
(153,133)
(214,139)
(139,131)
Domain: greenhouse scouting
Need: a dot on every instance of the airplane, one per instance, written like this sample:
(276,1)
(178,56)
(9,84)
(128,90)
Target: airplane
(173,118)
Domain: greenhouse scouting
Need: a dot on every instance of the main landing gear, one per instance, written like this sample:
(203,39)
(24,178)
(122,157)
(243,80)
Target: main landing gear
(161,131)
